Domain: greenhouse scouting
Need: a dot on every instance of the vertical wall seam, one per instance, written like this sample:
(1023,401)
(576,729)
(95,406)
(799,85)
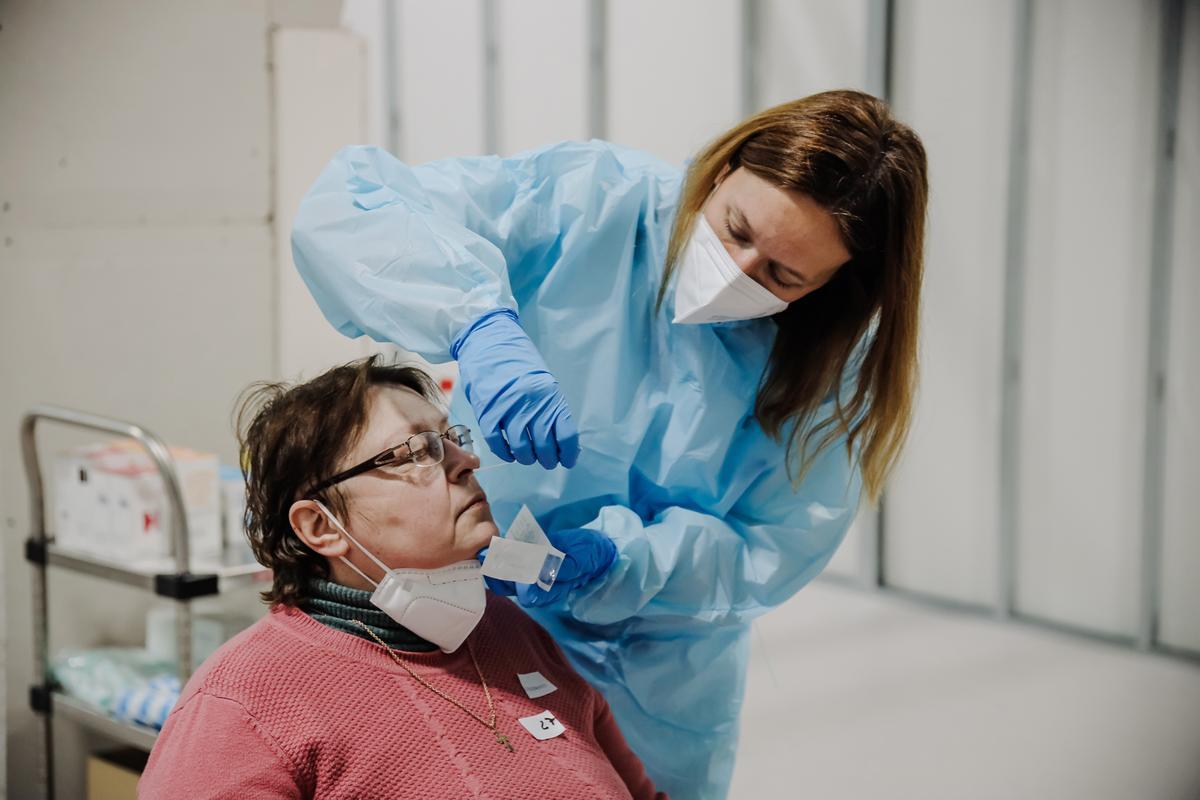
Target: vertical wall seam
(1153,495)
(491,78)
(391,78)
(275,286)
(880,44)
(751,33)
(598,69)
(1014,301)
(880,61)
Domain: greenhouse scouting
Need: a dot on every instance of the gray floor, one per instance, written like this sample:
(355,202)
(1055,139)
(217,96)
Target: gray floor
(865,695)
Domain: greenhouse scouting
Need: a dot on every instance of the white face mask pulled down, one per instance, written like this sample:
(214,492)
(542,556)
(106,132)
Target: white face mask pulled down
(440,605)
(711,287)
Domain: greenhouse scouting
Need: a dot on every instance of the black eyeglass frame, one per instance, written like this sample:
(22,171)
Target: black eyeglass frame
(459,435)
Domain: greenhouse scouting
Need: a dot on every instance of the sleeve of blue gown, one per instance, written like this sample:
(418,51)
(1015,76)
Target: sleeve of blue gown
(687,564)
(411,254)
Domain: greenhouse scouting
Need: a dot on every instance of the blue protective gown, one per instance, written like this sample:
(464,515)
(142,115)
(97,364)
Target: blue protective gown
(674,468)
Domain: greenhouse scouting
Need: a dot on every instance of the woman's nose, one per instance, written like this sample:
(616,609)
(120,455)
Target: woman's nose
(459,462)
(748,259)
(753,264)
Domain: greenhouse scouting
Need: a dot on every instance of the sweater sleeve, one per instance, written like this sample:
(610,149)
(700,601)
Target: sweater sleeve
(212,749)
(624,760)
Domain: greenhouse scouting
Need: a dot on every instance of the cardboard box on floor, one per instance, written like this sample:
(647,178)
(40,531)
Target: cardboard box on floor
(114,775)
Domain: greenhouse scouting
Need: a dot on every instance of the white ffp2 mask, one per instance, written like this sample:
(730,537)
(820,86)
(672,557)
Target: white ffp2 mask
(711,287)
(440,605)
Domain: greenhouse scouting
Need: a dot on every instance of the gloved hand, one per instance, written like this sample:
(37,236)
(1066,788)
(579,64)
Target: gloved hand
(587,556)
(523,415)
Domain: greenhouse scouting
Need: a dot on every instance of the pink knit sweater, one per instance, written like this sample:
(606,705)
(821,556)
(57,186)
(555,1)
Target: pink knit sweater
(292,708)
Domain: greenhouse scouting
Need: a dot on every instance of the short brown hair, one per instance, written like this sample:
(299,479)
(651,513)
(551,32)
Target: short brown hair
(293,436)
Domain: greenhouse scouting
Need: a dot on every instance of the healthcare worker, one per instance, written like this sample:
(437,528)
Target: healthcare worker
(709,365)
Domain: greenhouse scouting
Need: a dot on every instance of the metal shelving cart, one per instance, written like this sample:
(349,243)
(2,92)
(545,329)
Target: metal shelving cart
(174,581)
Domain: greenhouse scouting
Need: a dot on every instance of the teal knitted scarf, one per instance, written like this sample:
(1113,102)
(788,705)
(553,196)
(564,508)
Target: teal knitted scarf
(336,606)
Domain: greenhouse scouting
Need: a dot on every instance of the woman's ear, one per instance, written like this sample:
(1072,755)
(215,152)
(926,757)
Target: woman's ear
(315,530)
(721,176)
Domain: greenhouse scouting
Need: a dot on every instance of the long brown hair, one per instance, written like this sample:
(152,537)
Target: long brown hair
(846,151)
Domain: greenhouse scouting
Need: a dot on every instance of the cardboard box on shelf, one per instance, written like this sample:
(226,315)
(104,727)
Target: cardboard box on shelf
(113,775)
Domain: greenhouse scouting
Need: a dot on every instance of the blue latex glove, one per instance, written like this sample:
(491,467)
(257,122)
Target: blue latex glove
(523,415)
(587,555)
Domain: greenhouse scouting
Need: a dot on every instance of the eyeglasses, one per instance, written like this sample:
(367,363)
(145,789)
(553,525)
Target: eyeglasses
(425,449)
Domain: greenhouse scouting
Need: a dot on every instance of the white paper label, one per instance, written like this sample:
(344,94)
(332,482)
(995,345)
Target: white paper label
(524,555)
(511,560)
(543,726)
(535,684)
(526,529)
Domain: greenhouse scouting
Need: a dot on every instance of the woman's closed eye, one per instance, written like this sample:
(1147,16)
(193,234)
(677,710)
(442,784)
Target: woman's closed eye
(776,275)
(399,460)
(737,234)
(398,467)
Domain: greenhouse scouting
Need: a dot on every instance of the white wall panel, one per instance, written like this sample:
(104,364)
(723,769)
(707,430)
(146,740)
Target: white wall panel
(952,81)
(441,79)
(367,19)
(321,106)
(673,74)
(1085,339)
(93,70)
(1180,618)
(543,72)
(809,46)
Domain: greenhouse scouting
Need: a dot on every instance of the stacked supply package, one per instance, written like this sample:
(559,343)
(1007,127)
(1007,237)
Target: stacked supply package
(210,630)
(233,513)
(110,502)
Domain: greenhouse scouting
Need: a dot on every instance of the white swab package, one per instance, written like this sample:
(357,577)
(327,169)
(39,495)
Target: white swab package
(524,555)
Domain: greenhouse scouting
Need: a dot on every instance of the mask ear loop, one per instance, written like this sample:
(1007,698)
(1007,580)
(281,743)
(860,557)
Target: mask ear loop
(338,524)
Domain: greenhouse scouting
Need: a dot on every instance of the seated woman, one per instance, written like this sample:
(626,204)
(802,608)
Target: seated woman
(352,487)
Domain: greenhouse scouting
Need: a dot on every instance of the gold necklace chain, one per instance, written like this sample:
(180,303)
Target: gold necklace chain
(490,723)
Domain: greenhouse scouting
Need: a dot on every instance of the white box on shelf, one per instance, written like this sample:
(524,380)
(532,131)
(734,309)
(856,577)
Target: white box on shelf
(233,516)
(110,503)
